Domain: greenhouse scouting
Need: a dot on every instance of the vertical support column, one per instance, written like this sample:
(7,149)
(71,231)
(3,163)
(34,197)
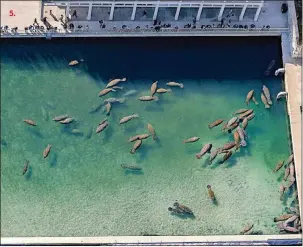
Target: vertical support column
(156,11)
(243,12)
(199,12)
(90,8)
(111,14)
(221,12)
(258,13)
(67,10)
(134,11)
(178,11)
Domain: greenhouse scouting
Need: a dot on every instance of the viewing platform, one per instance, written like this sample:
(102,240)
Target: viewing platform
(136,18)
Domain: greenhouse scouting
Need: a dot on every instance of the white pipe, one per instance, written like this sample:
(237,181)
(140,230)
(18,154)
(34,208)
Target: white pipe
(281,70)
(112,9)
(156,11)
(242,12)
(178,11)
(89,14)
(221,12)
(134,11)
(199,12)
(281,95)
(258,13)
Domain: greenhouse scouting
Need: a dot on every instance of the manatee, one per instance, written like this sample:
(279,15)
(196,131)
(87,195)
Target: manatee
(60,118)
(153,88)
(136,146)
(101,127)
(131,167)
(279,165)
(283,217)
(206,148)
(148,98)
(115,82)
(255,101)
(244,123)
(128,118)
(249,96)
(106,91)
(210,192)
(192,139)
(247,229)
(289,160)
(251,116)
(108,108)
(282,189)
(114,100)
(29,122)
(175,84)
(25,168)
(263,98)
(215,123)
(213,155)
(240,111)
(46,151)
(245,114)
(226,156)
(267,94)
(67,120)
(184,208)
(163,90)
(152,131)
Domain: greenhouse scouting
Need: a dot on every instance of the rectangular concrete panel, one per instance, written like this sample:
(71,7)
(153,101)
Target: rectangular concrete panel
(232,13)
(188,14)
(149,14)
(123,14)
(100,13)
(210,13)
(166,14)
(81,13)
(249,14)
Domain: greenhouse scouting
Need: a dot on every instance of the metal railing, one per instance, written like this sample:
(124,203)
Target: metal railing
(149,32)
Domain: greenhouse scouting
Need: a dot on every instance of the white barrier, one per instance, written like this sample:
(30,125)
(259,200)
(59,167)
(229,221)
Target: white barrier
(150,32)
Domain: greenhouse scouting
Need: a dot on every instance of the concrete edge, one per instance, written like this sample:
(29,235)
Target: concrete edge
(147,239)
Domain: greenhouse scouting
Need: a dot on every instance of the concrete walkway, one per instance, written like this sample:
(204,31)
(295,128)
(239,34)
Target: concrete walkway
(293,84)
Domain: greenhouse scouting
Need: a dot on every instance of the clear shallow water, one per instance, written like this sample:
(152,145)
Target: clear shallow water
(81,190)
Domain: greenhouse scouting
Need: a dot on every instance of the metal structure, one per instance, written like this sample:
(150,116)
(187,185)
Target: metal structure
(161,4)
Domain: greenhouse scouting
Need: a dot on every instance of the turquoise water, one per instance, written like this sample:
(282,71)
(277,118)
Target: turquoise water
(80,188)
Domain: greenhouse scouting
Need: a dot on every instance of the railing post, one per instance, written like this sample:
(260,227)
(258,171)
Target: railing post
(221,12)
(243,12)
(112,9)
(199,12)
(178,11)
(67,15)
(156,11)
(258,12)
(134,11)
(90,8)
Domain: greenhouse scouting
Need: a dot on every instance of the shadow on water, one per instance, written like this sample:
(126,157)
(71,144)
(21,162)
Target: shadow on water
(96,108)
(54,160)
(133,172)
(143,151)
(3,143)
(89,133)
(131,128)
(231,162)
(36,132)
(154,108)
(108,133)
(184,216)
(29,173)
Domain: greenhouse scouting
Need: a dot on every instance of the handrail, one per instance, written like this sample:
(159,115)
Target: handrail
(161,32)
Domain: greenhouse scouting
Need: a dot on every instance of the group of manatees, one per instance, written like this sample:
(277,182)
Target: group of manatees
(112,86)
(236,125)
